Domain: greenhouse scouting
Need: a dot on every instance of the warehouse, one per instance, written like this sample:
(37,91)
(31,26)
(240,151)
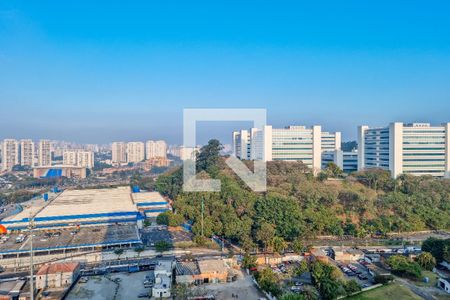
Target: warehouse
(150,203)
(79,207)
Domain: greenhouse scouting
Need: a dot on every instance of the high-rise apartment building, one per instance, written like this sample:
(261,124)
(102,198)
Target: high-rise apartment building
(27,153)
(292,143)
(155,149)
(79,158)
(45,153)
(188,153)
(119,153)
(135,152)
(10,154)
(417,149)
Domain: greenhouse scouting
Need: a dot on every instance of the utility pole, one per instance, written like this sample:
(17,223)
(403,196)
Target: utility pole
(30,227)
(203,209)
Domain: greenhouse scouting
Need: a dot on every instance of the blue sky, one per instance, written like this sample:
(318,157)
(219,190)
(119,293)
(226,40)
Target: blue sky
(98,71)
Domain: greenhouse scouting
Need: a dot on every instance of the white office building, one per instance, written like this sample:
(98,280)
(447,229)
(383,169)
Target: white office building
(347,161)
(155,149)
(79,158)
(45,153)
(135,152)
(292,143)
(417,149)
(10,154)
(119,153)
(27,153)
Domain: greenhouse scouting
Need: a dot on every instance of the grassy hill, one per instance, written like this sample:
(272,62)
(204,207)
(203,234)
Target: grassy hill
(298,205)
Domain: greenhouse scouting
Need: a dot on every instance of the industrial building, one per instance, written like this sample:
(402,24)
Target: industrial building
(150,203)
(59,171)
(81,220)
(80,207)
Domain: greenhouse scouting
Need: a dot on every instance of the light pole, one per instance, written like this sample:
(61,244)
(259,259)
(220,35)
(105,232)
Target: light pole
(30,227)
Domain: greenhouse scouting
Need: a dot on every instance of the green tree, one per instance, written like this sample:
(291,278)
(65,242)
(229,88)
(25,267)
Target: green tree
(330,289)
(297,246)
(292,296)
(333,170)
(168,218)
(248,261)
(279,244)
(268,281)
(403,266)
(351,287)
(208,157)
(265,234)
(139,250)
(302,268)
(439,248)
(426,260)
(118,252)
(161,246)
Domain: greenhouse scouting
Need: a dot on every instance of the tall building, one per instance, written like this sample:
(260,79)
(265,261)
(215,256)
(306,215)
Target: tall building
(119,153)
(347,161)
(10,154)
(135,152)
(188,153)
(155,149)
(292,143)
(79,158)
(27,153)
(417,149)
(45,153)
(241,144)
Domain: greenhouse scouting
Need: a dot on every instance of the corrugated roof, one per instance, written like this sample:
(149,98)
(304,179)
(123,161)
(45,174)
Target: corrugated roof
(65,267)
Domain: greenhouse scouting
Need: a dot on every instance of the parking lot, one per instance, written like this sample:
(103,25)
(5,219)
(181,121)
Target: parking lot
(357,271)
(151,235)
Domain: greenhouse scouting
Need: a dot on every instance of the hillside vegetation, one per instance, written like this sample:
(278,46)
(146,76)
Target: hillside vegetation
(298,205)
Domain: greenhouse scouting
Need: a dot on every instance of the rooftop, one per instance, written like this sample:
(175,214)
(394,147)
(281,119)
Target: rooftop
(164,266)
(90,201)
(148,197)
(212,266)
(86,236)
(64,267)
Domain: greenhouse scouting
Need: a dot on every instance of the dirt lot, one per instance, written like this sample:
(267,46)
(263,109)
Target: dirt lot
(244,288)
(104,288)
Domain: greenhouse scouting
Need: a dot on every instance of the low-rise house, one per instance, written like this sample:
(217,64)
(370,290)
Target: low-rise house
(319,254)
(213,270)
(202,271)
(444,283)
(163,279)
(347,254)
(57,275)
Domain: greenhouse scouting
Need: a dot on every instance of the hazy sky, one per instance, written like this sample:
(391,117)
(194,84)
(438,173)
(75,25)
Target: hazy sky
(93,71)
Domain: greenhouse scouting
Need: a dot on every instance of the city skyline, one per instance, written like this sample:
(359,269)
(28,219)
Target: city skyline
(105,73)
